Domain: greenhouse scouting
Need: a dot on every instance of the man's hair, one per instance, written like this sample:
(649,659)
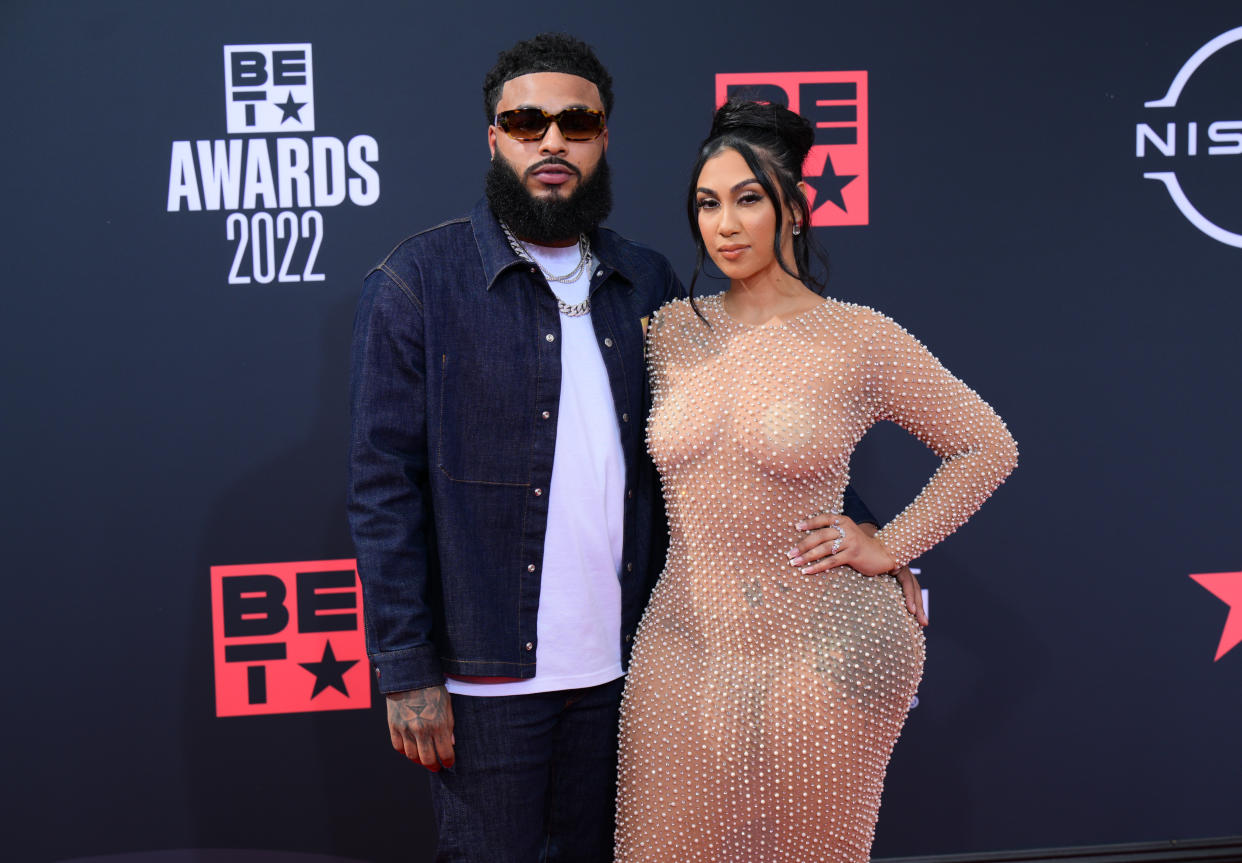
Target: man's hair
(547,52)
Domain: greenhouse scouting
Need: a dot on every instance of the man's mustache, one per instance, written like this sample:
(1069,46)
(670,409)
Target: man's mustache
(552,160)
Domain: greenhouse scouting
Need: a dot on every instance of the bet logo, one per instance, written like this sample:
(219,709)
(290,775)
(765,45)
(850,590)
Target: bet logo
(272,177)
(1185,137)
(835,103)
(269,88)
(288,638)
(1227,587)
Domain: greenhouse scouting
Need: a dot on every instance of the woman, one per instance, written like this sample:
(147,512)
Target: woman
(765,696)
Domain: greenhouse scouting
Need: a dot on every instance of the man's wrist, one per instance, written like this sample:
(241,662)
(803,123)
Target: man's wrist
(405,670)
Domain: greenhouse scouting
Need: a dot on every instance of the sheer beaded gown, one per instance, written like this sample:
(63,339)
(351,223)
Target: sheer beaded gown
(762,705)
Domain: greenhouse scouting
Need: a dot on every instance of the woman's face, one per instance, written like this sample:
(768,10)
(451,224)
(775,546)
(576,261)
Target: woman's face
(737,219)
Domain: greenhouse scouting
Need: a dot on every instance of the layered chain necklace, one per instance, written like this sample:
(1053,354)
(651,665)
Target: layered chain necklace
(584,261)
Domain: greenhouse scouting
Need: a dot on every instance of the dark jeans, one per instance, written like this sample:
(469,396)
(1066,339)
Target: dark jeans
(535,779)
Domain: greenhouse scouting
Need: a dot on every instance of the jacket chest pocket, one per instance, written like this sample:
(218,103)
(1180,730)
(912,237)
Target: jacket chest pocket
(487,421)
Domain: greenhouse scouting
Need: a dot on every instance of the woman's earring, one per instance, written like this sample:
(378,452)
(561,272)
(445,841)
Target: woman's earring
(797,228)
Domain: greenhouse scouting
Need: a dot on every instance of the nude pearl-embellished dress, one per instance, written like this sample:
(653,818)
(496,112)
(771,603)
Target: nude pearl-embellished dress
(762,704)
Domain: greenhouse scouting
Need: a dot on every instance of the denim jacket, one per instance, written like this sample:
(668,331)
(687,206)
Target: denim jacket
(455,388)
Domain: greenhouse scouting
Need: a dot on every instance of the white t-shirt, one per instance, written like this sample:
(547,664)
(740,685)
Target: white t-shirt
(579,622)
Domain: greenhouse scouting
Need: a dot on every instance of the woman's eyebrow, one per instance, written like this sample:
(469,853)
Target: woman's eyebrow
(736,186)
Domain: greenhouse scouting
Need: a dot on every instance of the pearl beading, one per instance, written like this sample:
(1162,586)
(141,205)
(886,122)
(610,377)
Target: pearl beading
(762,705)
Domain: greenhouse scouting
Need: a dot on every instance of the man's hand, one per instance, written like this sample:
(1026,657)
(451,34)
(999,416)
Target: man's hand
(913,594)
(858,549)
(420,722)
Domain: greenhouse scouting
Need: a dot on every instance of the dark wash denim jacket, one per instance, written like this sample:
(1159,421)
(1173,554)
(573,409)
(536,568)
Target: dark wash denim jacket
(455,391)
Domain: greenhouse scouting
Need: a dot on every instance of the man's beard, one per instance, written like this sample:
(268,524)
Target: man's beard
(555,218)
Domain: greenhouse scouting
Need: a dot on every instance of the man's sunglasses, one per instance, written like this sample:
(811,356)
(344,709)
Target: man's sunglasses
(531,124)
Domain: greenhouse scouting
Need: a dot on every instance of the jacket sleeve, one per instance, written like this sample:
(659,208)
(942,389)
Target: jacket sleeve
(388,500)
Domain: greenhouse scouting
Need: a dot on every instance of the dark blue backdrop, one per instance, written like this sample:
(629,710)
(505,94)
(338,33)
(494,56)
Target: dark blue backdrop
(161,420)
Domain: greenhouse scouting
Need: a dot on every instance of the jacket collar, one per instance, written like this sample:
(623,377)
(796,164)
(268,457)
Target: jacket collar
(497,256)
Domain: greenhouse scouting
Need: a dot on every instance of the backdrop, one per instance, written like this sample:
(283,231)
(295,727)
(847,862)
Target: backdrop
(1047,194)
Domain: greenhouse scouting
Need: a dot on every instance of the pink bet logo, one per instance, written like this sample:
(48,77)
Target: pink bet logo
(288,638)
(836,105)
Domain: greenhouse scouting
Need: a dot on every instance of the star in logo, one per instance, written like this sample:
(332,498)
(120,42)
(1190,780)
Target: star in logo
(290,108)
(829,184)
(1226,586)
(329,671)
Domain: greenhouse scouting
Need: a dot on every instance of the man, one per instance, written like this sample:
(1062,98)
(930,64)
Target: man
(507,519)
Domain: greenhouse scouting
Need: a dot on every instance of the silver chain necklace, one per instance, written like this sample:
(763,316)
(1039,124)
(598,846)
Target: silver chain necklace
(576,310)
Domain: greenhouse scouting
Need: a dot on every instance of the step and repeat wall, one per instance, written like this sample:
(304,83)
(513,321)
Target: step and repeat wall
(1048,195)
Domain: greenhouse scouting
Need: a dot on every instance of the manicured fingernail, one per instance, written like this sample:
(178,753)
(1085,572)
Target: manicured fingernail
(802,525)
(797,561)
(793,552)
(806,570)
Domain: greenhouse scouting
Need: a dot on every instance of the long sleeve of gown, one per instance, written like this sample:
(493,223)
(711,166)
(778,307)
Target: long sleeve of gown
(903,382)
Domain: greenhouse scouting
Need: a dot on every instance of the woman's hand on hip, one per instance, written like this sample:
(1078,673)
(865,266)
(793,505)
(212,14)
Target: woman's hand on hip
(835,540)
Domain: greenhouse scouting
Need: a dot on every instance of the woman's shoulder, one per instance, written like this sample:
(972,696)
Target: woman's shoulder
(673,310)
(868,322)
(676,328)
(672,317)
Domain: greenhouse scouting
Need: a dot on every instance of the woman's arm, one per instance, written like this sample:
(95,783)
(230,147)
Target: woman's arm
(904,383)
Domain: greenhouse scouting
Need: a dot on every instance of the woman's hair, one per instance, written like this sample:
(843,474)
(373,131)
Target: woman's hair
(774,141)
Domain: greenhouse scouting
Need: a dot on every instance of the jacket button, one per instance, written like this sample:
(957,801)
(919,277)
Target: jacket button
(600,271)
(530,646)
(550,337)
(532,269)
(627,638)
(608,342)
(625,418)
(530,567)
(546,415)
(538,492)
(629,567)
(629,492)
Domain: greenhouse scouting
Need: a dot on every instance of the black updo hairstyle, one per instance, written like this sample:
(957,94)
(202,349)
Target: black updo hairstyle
(774,141)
